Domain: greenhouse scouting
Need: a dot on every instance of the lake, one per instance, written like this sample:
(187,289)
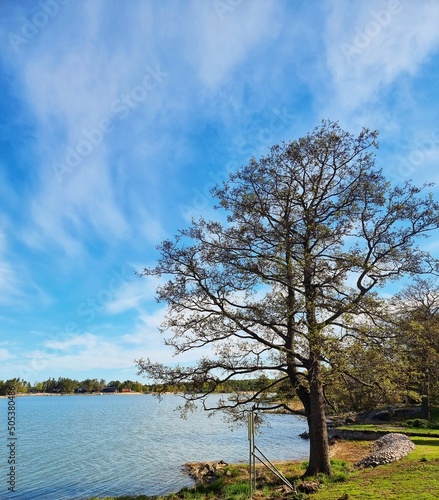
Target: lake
(75,447)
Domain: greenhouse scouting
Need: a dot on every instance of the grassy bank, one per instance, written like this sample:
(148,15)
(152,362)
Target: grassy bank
(409,431)
(416,477)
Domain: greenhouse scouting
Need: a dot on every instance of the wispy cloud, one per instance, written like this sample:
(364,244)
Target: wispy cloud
(17,286)
(369,47)
(223,40)
(5,354)
(81,100)
(133,296)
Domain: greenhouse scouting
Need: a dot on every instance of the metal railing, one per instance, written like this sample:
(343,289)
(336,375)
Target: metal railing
(256,454)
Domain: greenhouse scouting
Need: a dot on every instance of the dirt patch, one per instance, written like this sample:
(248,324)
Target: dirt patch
(349,451)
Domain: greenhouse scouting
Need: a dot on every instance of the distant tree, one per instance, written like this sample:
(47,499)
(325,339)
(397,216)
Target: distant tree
(115,383)
(137,387)
(127,384)
(38,387)
(92,385)
(312,230)
(66,385)
(21,386)
(417,332)
(50,385)
(366,375)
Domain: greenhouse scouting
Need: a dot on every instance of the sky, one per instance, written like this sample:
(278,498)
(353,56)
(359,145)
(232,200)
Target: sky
(117,117)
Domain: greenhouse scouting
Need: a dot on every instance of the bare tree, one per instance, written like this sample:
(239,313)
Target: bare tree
(312,229)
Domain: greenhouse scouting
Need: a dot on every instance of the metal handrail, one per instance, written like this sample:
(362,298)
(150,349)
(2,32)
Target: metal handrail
(253,456)
(273,468)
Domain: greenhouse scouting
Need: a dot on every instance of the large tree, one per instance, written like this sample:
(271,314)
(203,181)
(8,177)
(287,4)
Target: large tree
(312,229)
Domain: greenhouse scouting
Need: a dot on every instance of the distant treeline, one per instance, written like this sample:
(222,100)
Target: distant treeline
(64,385)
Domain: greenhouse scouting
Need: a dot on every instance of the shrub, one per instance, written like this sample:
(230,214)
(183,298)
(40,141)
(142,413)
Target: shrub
(417,423)
(420,423)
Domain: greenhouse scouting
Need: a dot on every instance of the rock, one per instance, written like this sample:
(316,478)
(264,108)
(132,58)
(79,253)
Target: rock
(354,435)
(407,412)
(304,435)
(387,449)
(308,487)
(384,415)
(204,472)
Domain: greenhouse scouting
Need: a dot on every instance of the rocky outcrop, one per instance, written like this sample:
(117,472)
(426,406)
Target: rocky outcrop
(387,449)
(386,414)
(204,472)
(352,435)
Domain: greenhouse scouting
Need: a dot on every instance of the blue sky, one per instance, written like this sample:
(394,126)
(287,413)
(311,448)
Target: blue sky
(118,116)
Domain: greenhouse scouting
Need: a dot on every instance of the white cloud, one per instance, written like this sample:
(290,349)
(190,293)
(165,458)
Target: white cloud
(5,354)
(87,340)
(72,89)
(89,351)
(370,44)
(224,39)
(8,282)
(146,332)
(17,286)
(133,295)
(75,352)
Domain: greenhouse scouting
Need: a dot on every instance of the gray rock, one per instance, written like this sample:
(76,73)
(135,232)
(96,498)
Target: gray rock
(387,449)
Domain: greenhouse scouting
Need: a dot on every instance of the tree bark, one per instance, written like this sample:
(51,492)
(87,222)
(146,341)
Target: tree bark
(318,434)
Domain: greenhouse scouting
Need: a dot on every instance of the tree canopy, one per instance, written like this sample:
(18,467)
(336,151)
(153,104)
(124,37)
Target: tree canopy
(287,280)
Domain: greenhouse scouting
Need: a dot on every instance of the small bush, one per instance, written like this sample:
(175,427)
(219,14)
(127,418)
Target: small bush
(417,423)
(420,423)
(434,424)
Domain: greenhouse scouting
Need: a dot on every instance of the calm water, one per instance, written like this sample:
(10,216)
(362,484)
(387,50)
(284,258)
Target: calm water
(75,447)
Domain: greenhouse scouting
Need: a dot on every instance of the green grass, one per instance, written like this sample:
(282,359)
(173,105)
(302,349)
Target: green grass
(416,477)
(410,431)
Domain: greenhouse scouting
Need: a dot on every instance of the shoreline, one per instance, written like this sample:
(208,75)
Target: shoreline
(50,394)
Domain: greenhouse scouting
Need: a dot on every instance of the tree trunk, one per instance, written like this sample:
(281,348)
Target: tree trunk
(318,435)
(425,408)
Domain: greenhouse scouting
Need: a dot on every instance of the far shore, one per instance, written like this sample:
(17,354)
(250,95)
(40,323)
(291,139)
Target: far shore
(28,394)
